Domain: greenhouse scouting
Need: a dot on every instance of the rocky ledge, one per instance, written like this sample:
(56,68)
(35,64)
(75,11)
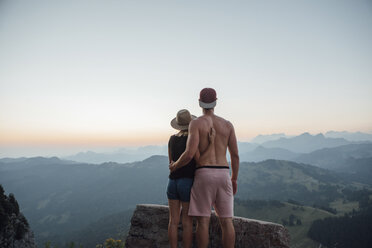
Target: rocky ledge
(149,228)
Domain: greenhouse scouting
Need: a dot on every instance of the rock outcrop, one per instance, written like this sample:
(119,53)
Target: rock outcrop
(11,236)
(14,228)
(149,228)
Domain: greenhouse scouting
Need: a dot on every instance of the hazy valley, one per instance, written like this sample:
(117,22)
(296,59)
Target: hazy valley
(86,203)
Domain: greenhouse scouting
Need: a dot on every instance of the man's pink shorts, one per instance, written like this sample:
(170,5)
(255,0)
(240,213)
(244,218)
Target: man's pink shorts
(212,187)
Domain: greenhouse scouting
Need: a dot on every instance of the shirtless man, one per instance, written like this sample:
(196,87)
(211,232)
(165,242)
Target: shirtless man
(212,183)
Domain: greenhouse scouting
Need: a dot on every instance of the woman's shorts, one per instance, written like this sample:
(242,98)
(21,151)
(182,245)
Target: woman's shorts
(179,189)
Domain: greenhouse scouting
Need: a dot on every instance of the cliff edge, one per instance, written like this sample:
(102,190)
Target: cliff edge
(149,228)
(14,228)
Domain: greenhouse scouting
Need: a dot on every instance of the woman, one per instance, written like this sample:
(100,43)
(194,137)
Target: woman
(181,180)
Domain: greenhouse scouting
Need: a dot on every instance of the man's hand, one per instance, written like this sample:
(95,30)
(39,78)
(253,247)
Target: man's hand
(172,166)
(234,185)
(212,135)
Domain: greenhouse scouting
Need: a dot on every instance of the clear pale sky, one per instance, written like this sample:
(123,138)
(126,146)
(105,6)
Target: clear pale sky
(78,75)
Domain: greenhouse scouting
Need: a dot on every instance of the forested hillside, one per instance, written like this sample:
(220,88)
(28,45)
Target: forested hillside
(59,197)
(353,229)
(14,228)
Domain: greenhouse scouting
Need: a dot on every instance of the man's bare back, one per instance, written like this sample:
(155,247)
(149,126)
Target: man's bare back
(215,155)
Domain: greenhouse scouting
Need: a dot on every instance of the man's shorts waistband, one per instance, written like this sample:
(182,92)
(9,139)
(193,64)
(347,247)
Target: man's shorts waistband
(213,167)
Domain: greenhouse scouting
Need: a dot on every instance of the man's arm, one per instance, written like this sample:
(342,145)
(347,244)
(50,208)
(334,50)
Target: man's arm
(234,155)
(191,147)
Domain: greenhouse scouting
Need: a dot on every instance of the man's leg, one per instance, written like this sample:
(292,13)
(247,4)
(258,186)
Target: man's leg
(186,226)
(174,220)
(228,232)
(202,232)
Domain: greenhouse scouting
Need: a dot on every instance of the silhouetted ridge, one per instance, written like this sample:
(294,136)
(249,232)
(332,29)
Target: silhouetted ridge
(14,228)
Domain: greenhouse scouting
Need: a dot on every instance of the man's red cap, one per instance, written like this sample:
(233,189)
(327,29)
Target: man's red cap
(208,98)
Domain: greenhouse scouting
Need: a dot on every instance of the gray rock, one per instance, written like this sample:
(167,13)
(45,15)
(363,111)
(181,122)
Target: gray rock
(149,228)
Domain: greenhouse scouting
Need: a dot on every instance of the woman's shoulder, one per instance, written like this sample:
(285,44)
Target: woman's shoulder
(171,138)
(182,134)
(175,138)
(179,137)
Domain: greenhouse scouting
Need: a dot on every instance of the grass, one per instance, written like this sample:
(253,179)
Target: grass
(343,207)
(274,214)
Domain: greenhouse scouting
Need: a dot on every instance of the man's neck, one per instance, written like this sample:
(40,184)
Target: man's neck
(209,112)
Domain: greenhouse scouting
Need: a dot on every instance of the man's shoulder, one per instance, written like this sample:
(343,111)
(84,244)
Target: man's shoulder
(199,123)
(198,120)
(221,119)
(195,123)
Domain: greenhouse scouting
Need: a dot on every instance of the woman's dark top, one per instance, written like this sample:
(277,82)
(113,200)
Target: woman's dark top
(177,145)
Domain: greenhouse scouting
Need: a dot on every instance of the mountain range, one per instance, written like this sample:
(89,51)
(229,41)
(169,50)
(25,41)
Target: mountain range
(259,139)
(305,143)
(63,199)
(123,155)
(336,157)
(261,153)
(276,146)
(60,197)
(351,136)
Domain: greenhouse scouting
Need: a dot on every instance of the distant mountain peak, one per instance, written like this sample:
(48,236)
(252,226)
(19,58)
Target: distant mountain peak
(154,157)
(44,159)
(351,136)
(261,138)
(305,143)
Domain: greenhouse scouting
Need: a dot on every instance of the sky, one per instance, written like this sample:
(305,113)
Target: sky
(94,75)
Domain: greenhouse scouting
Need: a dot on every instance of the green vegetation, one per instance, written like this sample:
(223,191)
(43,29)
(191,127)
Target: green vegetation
(112,243)
(109,243)
(343,206)
(78,202)
(282,180)
(115,226)
(350,230)
(296,218)
(49,244)
(112,227)
(61,199)
(13,225)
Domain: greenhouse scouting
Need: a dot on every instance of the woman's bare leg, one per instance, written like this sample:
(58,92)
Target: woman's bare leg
(186,226)
(174,220)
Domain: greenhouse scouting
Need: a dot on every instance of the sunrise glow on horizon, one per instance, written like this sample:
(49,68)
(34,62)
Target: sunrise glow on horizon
(79,75)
